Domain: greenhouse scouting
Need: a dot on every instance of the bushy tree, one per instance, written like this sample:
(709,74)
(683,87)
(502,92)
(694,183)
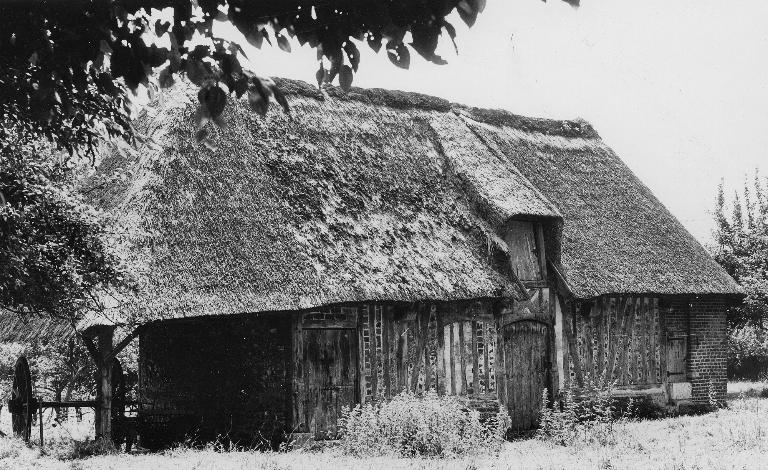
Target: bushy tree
(54,258)
(742,249)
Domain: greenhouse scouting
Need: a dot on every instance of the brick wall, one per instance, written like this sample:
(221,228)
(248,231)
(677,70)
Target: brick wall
(703,321)
(707,352)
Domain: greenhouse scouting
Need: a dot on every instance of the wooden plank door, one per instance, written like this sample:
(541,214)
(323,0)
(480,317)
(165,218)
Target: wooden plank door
(526,353)
(330,379)
(676,357)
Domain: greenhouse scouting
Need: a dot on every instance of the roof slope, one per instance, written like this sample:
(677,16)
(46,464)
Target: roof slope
(29,328)
(378,195)
(617,236)
(348,200)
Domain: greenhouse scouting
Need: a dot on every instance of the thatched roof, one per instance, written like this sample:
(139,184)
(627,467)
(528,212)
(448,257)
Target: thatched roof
(617,236)
(346,200)
(378,195)
(30,328)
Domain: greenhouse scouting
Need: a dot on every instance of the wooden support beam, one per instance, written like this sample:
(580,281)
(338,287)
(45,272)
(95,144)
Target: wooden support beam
(568,318)
(103,411)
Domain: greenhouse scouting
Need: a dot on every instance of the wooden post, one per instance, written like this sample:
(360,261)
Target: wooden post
(103,411)
(40,419)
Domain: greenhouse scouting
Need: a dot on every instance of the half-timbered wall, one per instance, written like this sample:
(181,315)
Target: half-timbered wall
(264,374)
(449,348)
(617,338)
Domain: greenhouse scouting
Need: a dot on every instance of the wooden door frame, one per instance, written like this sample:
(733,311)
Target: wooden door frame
(297,362)
(501,360)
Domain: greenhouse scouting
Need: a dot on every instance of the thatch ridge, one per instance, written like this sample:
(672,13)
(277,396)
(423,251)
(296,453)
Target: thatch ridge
(411,100)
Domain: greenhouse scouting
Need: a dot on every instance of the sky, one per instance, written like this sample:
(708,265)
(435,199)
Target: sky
(679,89)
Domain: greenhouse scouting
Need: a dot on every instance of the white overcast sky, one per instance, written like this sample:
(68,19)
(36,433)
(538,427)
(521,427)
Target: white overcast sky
(677,88)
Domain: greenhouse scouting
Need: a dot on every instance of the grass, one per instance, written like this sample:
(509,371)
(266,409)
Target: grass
(733,438)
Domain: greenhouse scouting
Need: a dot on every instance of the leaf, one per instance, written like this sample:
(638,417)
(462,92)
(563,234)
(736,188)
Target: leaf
(467,12)
(345,78)
(258,102)
(241,86)
(104,47)
(201,117)
(255,38)
(352,54)
(283,43)
(196,71)
(280,97)
(161,27)
(166,78)
(374,42)
(452,33)
(320,75)
(398,54)
(213,98)
(336,60)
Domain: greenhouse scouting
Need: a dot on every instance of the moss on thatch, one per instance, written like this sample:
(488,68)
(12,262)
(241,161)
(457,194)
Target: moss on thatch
(378,195)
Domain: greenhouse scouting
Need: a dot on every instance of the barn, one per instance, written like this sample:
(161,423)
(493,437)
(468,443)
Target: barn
(377,241)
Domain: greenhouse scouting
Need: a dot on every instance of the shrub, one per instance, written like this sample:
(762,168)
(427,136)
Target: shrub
(72,449)
(588,417)
(426,425)
(747,353)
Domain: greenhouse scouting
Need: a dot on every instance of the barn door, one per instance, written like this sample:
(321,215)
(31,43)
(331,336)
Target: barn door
(527,365)
(330,361)
(676,356)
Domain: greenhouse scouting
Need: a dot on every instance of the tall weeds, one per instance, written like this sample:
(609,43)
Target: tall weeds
(427,425)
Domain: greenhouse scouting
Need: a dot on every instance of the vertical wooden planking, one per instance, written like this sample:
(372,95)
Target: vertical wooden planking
(475,358)
(499,383)
(380,364)
(418,354)
(589,362)
(401,355)
(615,339)
(372,346)
(440,352)
(642,334)
(487,373)
(298,383)
(568,323)
(663,345)
(447,367)
(652,332)
(427,363)
(600,305)
(463,356)
(385,357)
(456,363)
(361,389)
(433,347)
(392,334)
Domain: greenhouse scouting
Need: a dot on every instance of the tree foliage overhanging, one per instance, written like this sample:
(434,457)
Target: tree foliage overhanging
(65,66)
